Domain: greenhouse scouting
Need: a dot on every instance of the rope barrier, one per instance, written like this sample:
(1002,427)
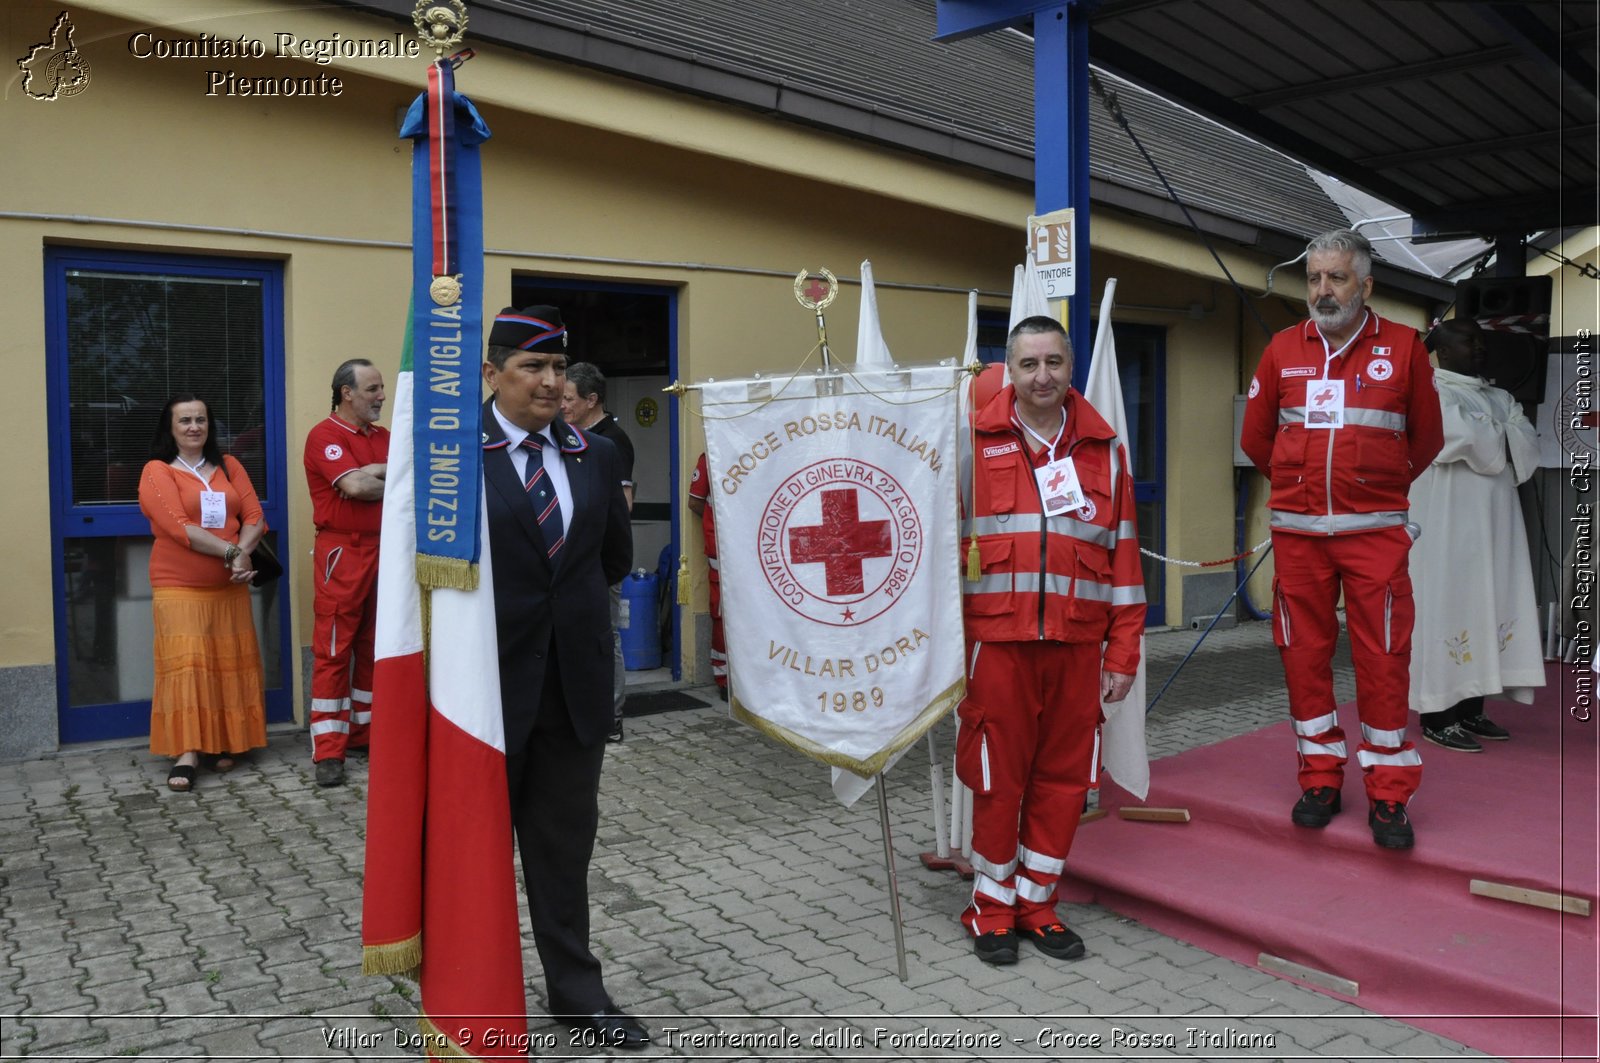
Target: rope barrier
(1207,564)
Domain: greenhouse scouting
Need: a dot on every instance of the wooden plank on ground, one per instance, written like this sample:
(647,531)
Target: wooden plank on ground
(1309,975)
(1092,815)
(1149,814)
(1556,902)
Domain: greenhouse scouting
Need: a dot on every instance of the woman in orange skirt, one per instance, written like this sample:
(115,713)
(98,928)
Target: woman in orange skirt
(206,520)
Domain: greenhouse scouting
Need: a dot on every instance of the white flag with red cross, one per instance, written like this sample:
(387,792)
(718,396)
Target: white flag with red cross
(836,526)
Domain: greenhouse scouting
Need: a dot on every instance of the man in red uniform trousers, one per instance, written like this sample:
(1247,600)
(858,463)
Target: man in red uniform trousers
(1053,620)
(700,505)
(1342,415)
(346,457)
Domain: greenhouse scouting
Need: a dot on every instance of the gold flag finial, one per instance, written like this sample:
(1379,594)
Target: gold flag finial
(441,24)
(815,291)
(812,293)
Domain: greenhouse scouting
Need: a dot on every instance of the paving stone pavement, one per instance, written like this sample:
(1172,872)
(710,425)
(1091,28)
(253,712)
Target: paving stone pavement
(738,908)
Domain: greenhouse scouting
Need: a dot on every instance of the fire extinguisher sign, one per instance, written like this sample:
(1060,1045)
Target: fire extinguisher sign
(1053,238)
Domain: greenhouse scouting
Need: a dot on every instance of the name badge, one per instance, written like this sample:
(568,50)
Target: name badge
(213,509)
(1059,489)
(1325,404)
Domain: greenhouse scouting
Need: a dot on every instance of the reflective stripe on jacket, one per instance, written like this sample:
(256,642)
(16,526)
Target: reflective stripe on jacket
(1329,481)
(1074,577)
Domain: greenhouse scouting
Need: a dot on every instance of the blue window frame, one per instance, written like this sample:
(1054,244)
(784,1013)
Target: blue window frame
(123,331)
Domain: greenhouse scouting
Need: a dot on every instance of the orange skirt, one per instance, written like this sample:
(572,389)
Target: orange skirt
(208,690)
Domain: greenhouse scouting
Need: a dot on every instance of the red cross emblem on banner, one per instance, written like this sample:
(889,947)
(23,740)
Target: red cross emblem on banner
(842,542)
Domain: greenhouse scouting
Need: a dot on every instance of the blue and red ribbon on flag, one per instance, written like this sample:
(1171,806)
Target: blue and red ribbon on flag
(447,325)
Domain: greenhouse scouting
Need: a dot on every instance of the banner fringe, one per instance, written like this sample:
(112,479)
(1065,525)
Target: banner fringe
(942,703)
(440,1044)
(397,957)
(451,572)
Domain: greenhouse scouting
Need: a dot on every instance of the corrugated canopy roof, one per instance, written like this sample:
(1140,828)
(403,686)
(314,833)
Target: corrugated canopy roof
(1472,116)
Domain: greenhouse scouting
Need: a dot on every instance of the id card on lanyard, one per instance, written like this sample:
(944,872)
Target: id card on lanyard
(1325,397)
(1059,489)
(213,504)
(1325,404)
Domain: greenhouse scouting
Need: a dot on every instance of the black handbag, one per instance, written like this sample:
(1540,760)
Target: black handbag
(263,558)
(266,564)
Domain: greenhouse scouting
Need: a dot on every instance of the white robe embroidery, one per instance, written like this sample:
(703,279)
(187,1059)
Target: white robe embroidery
(1477,626)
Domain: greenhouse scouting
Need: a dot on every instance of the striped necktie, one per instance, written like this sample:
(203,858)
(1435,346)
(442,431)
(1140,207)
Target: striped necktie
(543,493)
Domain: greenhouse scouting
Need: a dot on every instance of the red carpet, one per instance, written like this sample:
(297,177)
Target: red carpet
(1240,879)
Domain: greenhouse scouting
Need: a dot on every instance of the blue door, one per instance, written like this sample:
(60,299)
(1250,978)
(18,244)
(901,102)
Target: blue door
(123,332)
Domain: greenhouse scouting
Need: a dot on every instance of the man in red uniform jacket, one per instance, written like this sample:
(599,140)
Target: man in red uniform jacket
(1342,415)
(1052,623)
(700,506)
(347,454)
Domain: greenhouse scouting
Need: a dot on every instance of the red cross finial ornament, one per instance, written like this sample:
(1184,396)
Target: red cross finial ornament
(815,291)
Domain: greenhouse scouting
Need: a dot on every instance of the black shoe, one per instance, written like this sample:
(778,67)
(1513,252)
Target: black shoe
(1484,727)
(1056,941)
(615,734)
(330,773)
(1391,827)
(997,946)
(1452,737)
(1316,807)
(609,1029)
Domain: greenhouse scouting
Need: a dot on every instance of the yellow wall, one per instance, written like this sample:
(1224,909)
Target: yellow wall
(1575,298)
(719,203)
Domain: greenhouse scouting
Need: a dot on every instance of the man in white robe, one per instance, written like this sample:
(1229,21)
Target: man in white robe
(1477,627)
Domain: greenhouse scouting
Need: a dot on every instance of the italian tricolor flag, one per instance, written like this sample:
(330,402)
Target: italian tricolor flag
(440,894)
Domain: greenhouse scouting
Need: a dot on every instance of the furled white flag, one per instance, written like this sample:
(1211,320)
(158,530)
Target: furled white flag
(836,503)
(1027,293)
(1126,758)
(871,351)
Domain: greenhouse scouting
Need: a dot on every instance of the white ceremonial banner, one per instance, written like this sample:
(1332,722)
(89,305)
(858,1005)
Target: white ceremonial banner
(1565,420)
(837,537)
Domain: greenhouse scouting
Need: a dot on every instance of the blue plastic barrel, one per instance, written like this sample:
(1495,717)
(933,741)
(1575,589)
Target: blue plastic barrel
(641,636)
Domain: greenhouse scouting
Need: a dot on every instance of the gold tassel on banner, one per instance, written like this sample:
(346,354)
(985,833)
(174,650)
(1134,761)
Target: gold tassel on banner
(451,572)
(683,579)
(440,1045)
(399,957)
(974,565)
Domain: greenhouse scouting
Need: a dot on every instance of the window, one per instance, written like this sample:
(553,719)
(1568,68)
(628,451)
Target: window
(125,332)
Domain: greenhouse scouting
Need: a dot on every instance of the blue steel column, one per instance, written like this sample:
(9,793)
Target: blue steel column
(1061,147)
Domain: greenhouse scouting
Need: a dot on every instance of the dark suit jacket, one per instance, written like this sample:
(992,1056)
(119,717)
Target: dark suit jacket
(560,608)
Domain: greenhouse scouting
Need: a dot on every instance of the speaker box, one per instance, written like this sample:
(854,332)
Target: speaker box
(1515,315)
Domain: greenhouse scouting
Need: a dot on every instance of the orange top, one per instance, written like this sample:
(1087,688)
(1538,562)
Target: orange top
(170,497)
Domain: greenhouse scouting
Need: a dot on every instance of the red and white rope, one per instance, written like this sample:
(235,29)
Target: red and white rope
(1207,564)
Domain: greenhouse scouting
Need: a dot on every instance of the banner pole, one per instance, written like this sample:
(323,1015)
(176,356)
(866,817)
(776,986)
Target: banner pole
(894,882)
(941,836)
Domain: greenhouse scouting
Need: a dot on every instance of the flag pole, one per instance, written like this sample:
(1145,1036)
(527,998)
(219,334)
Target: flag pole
(815,295)
(894,881)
